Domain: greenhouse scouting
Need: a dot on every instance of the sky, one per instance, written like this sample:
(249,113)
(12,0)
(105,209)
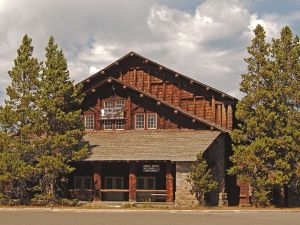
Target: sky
(202,39)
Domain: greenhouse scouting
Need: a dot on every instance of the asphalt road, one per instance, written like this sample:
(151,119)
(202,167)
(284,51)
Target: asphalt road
(129,217)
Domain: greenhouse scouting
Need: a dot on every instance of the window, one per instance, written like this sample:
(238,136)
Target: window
(152,121)
(82,182)
(108,104)
(120,103)
(107,124)
(120,124)
(114,183)
(89,122)
(139,121)
(146,183)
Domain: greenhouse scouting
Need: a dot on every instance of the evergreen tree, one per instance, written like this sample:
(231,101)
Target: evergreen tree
(266,146)
(201,178)
(19,120)
(59,101)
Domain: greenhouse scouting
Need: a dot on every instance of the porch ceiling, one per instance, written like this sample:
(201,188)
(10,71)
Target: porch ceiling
(181,145)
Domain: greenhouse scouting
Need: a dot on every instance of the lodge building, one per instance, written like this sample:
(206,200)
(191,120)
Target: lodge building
(146,124)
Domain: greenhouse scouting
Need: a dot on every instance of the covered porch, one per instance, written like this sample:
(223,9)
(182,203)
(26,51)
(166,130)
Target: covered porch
(134,181)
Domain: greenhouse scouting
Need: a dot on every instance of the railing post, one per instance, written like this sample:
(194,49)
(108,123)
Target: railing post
(169,183)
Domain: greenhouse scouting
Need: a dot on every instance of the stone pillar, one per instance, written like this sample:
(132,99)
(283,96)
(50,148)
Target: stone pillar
(183,196)
(132,182)
(169,183)
(97,181)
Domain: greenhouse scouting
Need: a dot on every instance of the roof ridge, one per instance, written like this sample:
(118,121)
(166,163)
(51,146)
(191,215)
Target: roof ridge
(132,53)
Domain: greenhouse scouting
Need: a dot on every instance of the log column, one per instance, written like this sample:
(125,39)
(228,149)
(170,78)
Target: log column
(169,183)
(132,182)
(97,181)
(229,117)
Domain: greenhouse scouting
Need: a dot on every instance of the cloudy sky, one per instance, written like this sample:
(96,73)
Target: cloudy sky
(203,39)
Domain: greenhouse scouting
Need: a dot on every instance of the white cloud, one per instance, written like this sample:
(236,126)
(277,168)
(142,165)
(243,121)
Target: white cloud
(207,43)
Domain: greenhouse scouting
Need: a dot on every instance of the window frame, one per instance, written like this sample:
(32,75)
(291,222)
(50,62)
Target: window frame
(151,114)
(113,182)
(120,100)
(106,102)
(93,122)
(116,125)
(135,121)
(104,125)
(82,182)
(145,181)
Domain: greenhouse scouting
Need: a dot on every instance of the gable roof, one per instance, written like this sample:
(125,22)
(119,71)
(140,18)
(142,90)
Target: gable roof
(149,144)
(130,54)
(146,94)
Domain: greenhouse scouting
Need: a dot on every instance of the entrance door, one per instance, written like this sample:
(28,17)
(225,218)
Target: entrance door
(114,183)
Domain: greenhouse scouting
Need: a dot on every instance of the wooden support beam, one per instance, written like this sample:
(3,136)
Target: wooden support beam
(191,81)
(203,108)
(109,80)
(224,119)
(207,88)
(219,115)
(158,103)
(229,117)
(88,80)
(213,109)
(172,93)
(134,77)
(160,68)
(121,76)
(179,94)
(143,79)
(93,90)
(97,181)
(132,182)
(149,81)
(141,95)
(124,86)
(169,183)
(102,72)
(116,63)
(176,75)
(164,91)
(175,111)
(194,105)
(129,112)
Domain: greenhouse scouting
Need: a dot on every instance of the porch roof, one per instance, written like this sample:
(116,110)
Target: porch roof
(174,145)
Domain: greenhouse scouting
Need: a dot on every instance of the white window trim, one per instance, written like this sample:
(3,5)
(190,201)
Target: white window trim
(120,100)
(112,123)
(144,121)
(155,121)
(111,101)
(113,182)
(146,183)
(82,178)
(85,121)
(116,124)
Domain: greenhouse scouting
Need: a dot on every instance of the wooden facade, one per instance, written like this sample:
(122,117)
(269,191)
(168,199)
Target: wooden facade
(137,94)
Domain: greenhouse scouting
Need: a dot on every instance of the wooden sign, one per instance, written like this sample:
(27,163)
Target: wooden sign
(151,168)
(112,113)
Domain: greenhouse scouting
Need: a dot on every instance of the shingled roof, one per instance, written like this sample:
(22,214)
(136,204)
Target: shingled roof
(149,145)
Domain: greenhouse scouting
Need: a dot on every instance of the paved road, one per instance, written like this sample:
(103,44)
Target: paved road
(123,217)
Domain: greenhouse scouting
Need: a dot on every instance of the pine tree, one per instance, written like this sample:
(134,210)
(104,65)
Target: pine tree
(201,178)
(59,101)
(265,146)
(19,120)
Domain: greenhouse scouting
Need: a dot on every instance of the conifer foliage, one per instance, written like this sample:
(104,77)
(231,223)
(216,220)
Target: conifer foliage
(266,142)
(40,125)
(201,179)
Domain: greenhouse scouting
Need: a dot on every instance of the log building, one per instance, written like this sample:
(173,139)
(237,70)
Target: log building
(145,124)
